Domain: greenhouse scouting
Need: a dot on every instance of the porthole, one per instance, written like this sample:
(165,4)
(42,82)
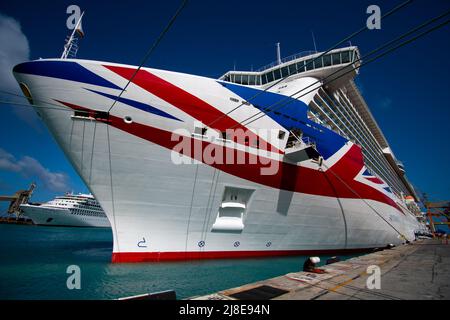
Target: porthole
(128,119)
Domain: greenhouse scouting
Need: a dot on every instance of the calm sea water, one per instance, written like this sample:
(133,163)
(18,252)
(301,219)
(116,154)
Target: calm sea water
(33,263)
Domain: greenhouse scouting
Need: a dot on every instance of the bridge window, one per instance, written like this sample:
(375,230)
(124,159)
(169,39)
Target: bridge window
(244,79)
(318,62)
(238,78)
(309,64)
(336,58)
(277,73)
(326,60)
(269,76)
(285,72)
(345,56)
(292,68)
(300,66)
(252,80)
(263,79)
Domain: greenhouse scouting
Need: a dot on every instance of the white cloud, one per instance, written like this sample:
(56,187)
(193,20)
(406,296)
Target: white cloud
(32,169)
(7,161)
(14,49)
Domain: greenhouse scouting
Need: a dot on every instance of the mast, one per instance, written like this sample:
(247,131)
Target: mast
(71,44)
(278,53)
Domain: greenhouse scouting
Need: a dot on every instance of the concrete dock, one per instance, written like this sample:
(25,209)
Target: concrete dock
(420,270)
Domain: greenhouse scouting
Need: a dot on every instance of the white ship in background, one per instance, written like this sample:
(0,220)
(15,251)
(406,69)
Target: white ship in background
(81,210)
(339,187)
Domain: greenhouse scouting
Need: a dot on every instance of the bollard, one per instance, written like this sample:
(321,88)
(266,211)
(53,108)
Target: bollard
(310,265)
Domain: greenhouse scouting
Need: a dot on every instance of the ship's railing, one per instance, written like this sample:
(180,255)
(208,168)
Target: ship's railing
(287,59)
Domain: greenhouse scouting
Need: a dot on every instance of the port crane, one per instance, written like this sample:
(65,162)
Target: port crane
(438,209)
(18,198)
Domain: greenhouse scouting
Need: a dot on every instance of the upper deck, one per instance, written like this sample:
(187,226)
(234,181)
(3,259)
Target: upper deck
(337,105)
(293,65)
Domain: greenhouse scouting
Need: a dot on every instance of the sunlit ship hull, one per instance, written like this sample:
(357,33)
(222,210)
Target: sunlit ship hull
(160,210)
(45,216)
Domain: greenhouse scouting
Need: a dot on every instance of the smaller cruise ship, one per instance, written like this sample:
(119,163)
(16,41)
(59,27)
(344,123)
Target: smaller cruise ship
(70,210)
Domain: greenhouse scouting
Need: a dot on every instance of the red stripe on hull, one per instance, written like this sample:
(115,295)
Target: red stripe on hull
(192,105)
(125,257)
(338,183)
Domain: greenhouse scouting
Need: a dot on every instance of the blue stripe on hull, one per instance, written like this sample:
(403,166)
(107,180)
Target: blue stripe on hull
(290,113)
(66,70)
(137,105)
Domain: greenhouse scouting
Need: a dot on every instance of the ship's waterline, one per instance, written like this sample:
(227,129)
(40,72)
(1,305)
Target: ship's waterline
(35,261)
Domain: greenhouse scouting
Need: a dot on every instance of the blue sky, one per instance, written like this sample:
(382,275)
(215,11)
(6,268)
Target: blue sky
(407,91)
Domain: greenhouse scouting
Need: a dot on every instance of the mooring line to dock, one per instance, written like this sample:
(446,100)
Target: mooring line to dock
(211,205)
(357,194)
(190,208)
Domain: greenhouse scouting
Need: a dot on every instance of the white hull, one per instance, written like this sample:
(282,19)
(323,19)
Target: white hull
(159,210)
(48,216)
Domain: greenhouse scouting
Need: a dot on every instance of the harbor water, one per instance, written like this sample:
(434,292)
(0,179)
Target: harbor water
(34,261)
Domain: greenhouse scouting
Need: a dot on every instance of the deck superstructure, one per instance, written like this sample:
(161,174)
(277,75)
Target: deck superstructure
(338,105)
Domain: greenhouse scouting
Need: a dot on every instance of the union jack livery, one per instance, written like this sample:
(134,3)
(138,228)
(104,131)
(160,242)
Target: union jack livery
(272,162)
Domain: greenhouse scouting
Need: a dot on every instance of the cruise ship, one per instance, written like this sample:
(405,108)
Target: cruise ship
(70,210)
(190,167)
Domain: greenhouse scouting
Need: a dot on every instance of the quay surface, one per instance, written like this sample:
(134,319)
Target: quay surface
(417,271)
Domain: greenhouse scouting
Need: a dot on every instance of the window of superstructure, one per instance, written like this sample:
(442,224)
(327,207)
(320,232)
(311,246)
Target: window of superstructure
(269,76)
(277,74)
(318,62)
(345,56)
(336,58)
(300,66)
(244,79)
(285,72)
(309,64)
(292,68)
(238,78)
(326,60)
(252,80)
(263,78)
